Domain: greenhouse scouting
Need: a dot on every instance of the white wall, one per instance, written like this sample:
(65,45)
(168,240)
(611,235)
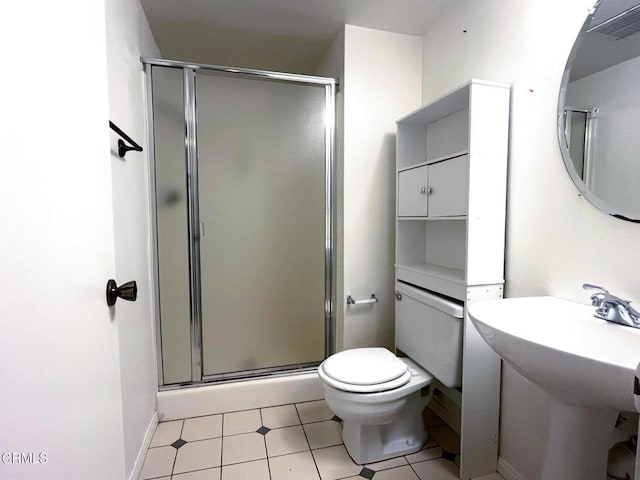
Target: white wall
(381,83)
(555,239)
(60,390)
(221,45)
(616,170)
(128,38)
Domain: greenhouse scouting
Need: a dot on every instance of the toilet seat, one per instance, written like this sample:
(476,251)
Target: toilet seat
(364,370)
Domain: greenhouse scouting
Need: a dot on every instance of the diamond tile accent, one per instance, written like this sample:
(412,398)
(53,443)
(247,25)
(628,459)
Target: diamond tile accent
(367,473)
(241,422)
(166,432)
(288,442)
(200,455)
(178,443)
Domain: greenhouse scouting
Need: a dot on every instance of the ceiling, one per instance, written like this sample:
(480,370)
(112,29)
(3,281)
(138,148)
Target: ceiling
(275,33)
(594,51)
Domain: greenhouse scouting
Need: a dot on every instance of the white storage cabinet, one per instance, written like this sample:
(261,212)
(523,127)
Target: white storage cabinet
(450,232)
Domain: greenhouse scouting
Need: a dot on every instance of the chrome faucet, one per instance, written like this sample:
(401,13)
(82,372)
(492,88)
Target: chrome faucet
(612,308)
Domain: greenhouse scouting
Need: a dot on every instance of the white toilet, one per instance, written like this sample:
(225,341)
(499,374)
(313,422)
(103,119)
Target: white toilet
(380,399)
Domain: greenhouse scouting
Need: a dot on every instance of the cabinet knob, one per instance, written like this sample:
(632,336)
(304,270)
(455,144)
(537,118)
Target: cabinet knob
(425,190)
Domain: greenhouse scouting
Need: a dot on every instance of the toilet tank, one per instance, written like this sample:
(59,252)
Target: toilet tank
(429,330)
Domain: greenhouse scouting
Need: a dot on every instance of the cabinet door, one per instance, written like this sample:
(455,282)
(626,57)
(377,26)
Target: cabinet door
(412,192)
(448,187)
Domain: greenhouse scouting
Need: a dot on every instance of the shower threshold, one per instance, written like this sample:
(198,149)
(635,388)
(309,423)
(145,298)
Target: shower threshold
(244,375)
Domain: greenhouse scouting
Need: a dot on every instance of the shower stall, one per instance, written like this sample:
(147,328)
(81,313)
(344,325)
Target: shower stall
(242,178)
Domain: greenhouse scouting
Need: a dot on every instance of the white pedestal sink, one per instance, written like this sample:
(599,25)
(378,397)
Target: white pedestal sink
(585,364)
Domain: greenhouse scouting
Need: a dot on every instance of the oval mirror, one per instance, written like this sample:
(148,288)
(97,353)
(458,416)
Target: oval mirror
(599,109)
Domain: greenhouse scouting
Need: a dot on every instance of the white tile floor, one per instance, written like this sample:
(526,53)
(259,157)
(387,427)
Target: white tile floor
(289,442)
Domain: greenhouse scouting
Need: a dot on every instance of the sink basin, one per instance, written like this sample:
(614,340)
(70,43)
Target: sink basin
(585,364)
(560,346)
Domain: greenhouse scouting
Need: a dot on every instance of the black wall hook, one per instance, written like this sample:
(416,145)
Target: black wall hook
(126,291)
(123,148)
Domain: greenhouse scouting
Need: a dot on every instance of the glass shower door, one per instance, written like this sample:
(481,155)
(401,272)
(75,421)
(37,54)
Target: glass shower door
(171,221)
(261,183)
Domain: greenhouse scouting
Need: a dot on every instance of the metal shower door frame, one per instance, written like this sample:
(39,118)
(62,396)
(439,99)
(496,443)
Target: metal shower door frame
(191,150)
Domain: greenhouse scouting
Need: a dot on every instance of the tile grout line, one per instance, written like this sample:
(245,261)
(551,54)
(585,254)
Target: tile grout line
(301,424)
(313,457)
(238,434)
(243,433)
(177,450)
(414,470)
(221,442)
(268,457)
(264,439)
(243,410)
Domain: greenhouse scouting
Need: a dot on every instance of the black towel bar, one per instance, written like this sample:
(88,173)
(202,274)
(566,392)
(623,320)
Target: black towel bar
(123,148)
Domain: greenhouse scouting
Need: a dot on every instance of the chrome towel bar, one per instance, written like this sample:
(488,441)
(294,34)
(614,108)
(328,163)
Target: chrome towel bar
(372,299)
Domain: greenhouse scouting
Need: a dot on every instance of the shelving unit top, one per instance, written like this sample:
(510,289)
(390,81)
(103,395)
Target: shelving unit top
(451,102)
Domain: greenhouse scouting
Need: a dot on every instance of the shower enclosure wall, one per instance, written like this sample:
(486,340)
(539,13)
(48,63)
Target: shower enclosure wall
(243,220)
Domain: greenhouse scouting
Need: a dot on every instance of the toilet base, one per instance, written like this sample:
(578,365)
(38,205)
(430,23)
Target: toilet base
(403,436)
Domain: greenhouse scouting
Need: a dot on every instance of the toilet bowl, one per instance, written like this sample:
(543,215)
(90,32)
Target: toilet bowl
(380,399)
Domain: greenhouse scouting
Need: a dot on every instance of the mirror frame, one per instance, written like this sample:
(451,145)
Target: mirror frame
(584,190)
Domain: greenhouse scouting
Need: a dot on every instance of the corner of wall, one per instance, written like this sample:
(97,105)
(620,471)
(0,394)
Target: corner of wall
(128,38)
(332,65)
(382,80)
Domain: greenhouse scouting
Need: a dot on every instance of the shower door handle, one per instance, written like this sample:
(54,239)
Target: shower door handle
(201,230)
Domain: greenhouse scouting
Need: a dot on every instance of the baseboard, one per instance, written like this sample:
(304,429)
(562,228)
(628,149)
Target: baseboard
(508,472)
(137,466)
(246,395)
